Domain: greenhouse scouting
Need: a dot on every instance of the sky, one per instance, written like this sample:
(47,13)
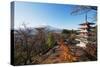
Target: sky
(44,14)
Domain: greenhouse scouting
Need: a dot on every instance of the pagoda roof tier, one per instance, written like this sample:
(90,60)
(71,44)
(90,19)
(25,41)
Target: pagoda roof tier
(86,28)
(87,23)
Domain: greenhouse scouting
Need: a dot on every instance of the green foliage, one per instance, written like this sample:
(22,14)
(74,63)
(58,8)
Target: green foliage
(50,40)
(65,31)
(95,30)
(69,36)
(93,38)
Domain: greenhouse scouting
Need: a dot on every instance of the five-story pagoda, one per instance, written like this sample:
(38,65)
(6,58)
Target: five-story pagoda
(86,31)
(86,28)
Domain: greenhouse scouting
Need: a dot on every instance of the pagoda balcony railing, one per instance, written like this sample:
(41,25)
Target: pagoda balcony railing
(83,31)
(85,27)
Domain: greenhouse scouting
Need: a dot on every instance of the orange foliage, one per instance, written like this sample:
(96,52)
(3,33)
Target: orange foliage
(62,54)
(65,53)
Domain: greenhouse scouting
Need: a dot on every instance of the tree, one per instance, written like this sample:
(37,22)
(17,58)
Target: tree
(24,46)
(50,40)
(65,31)
(82,9)
(77,10)
(30,45)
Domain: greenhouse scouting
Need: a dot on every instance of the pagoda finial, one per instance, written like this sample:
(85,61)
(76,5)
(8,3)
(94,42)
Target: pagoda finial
(86,17)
